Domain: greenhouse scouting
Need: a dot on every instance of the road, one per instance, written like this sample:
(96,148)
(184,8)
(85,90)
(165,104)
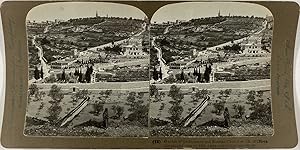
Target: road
(162,62)
(144,85)
(46,68)
(165,68)
(243,62)
(140,85)
(115,43)
(110,65)
(253,84)
(107,45)
(46,29)
(235,41)
(167,29)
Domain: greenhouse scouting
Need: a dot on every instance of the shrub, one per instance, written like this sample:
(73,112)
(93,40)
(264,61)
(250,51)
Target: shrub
(118,111)
(199,95)
(176,109)
(38,95)
(41,106)
(239,110)
(98,107)
(79,95)
(169,80)
(54,110)
(153,90)
(162,106)
(224,94)
(139,112)
(33,89)
(50,79)
(158,122)
(260,110)
(34,121)
(219,106)
(105,94)
(56,94)
(159,96)
(175,93)
(140,95)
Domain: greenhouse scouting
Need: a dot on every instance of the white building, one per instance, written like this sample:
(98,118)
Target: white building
(253,47)
(203,56)
(75,52)
(134,48)
(62,64)
(86,53)
(134,51)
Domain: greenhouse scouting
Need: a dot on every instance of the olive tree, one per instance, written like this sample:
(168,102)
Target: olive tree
(176,109)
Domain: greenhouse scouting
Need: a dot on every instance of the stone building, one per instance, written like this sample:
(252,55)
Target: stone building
(134,51)
(253,47)
(61,64)
(133,48)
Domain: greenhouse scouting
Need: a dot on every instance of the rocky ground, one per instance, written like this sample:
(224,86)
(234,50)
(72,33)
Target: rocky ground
(121,130)
(237,129)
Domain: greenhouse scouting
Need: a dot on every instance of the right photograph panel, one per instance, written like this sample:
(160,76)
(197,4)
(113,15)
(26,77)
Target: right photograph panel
(210,70)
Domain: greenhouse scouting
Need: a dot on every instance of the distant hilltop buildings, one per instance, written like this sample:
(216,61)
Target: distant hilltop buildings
(46,22)
(56,21)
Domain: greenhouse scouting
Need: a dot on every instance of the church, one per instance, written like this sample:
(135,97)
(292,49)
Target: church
(253,47)
(134,49)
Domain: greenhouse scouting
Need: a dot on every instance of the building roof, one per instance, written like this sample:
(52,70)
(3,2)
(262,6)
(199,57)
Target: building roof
(60,61)
(64,61)
(180,62)
(129,46)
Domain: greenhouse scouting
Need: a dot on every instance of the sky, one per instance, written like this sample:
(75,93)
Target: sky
(68,10)
(190,10)
(171,12)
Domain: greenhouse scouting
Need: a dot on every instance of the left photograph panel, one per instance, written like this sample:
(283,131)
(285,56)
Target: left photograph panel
(88,70)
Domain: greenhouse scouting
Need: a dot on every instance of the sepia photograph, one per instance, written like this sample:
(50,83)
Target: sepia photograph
(210,70)
(88,70)
(200,71)
(149,74)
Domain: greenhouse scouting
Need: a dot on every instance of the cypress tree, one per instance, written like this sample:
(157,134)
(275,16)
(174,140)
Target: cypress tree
(63,75)
(36,73)
(80,77)
(76,72)
(160,73)
(42,73)
(182,75)
(199,76)
(91,70)
(209,69)
(90,73)
(155,74)
(87,75)
(206,74)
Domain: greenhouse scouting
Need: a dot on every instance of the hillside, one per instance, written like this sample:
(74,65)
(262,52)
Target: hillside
(202,33)
(59,39)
